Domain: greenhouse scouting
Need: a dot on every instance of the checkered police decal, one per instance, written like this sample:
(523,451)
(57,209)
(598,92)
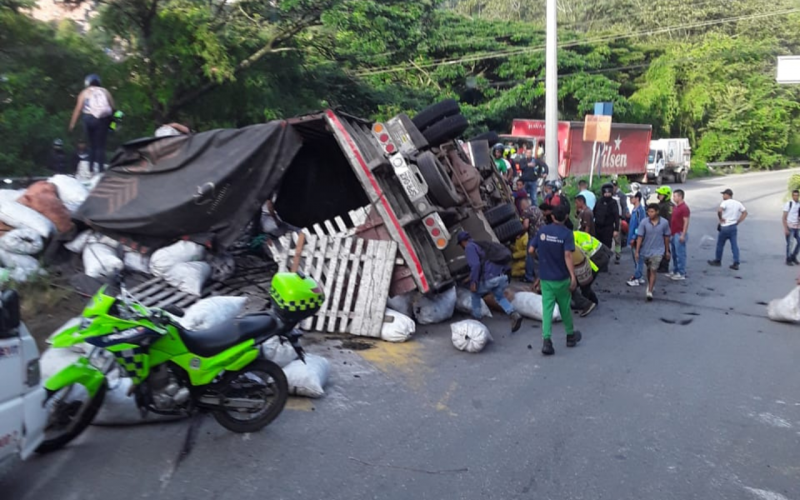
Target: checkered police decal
(296,305)
(133,362)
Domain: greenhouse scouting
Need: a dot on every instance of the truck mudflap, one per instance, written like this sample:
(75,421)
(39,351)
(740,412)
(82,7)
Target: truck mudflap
(381,201)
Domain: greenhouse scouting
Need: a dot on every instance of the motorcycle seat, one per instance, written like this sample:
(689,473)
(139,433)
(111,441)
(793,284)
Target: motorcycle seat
(210,342)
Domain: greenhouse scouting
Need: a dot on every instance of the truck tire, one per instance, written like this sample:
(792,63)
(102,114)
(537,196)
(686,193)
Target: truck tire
(509,231)
(680,178)
(440,186)
(500,214)
(491,137)
(660,179)
(432,114)
(446,130)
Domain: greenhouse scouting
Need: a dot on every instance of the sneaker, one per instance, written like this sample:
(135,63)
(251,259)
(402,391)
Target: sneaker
(547,347)
(516,321)
(616,260)
(714,263)
(649,296)
(642,281)
(796,262)
(572,340)
(735,266)
(789,262)
(678,277)
(588,310)
(633,282)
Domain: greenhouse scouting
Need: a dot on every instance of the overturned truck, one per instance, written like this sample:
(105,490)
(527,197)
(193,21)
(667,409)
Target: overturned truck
(420,182)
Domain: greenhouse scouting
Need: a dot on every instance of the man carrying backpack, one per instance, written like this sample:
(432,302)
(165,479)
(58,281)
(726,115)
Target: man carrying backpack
(791,227)
(488,263)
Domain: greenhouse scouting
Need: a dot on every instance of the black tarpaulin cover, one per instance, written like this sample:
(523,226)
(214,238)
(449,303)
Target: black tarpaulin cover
(206,186)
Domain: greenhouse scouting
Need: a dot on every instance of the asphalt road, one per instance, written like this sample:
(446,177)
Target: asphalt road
(642,409)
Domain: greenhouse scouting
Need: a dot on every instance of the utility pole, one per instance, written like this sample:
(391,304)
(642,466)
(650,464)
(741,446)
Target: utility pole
(551,92)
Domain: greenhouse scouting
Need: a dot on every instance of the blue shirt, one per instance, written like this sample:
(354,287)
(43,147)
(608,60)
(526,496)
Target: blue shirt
(475,255)
(591,199)
(551,242)
(638,214)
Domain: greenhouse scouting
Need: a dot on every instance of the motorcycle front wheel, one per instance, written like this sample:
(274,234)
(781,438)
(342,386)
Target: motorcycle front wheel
(71,410)
(254,397)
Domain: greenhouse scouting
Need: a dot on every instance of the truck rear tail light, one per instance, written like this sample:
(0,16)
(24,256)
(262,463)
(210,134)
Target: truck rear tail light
(430,222)
(389,148)
(436,230)
(381,134)
(441,243)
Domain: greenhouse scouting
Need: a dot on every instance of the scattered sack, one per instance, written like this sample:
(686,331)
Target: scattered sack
(168,257)
(43,197)
(135,261)
(22,267)
(11,194)
(308,379)
(223,267)
(470,335)
(529,305)
(18,215)
(400,329)
(71,191)
(100,261)
(280,353)
(22,241)
(404,304)
(435,309)
(207,313)
(189,277)
(78,244)
(786,309)
(464,303)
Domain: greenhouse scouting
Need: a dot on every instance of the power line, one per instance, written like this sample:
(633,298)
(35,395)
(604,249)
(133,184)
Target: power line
(525,50)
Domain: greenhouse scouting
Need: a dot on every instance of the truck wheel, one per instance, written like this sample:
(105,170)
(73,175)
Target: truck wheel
(681,177)
(446,130)
(508,231)
(439,183)
(660,178)
(435,113)
(491,137)
(500,214)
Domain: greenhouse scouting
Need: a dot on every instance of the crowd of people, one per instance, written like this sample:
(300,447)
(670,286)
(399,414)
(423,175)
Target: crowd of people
(570,242)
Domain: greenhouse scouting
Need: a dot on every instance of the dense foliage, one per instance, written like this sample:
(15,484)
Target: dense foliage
(700,69)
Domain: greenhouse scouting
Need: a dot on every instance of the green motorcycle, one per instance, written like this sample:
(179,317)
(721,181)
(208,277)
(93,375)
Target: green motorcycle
(175,371)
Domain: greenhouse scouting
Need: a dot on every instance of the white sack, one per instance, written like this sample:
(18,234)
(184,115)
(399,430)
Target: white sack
(168,257)
(135,261)
(400,329)
(464,303)
(84,174)
(78,244)
(529,305)
(309,378)
(786,309)
(280,353)
(17,215)
(100,260)
(207,313)
(435,309)
(404,304)
(470,335)
(22,241)
(11,194)
(22,267)
(189,277)
(71,191)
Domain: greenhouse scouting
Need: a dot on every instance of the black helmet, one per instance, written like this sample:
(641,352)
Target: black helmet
(498,147)
(607,187)
(91,80)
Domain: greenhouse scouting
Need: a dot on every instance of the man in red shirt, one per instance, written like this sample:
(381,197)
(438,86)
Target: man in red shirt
(679,227)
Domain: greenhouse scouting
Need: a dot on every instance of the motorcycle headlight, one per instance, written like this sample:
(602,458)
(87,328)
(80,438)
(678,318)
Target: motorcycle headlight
(86,323)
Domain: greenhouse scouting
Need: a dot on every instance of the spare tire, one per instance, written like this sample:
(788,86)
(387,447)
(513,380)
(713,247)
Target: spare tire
(440,186)
(491,137)
(508,231)
(500,214)
(446,130)
(433,114)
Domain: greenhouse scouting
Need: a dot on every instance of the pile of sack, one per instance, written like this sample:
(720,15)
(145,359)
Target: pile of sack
(30,217)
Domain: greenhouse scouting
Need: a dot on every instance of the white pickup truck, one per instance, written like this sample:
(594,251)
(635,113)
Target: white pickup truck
(22,413)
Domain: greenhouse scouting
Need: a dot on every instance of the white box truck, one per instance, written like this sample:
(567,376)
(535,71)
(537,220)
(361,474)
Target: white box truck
(669,157)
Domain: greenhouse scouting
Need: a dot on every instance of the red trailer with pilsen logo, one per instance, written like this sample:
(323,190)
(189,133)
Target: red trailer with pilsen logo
(626,153)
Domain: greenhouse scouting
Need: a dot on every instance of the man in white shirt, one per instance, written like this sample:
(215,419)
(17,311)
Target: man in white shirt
(731,213)
(791,227)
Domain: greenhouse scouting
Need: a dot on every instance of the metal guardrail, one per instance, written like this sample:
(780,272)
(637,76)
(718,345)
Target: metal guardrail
(729,164)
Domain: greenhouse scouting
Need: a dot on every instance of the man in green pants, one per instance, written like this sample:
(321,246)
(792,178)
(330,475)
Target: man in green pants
(555,243)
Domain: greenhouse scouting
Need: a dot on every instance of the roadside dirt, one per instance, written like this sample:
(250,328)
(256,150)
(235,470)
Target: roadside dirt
(46,305)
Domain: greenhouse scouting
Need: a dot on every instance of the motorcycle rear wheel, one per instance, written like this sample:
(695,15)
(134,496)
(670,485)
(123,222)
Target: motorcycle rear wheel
(75,418)
(274,390)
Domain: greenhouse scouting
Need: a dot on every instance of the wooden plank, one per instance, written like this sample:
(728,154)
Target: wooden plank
(298,252)
(341,225)
(308,268)
(332,261)
(144,285)
(285,242)
(330,228)
(318,230)
(354,264)
(344,260)
(360,309)
(370,284)
(381,293)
